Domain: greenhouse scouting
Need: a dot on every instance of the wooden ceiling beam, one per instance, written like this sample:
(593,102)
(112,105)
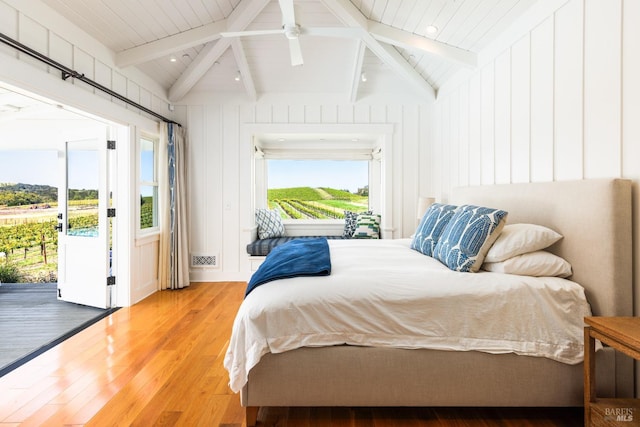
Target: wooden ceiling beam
(346,12)
(406,40)
(198,68)
(238,20)
(243,68)
(390,56)
(357,71)
(168,45)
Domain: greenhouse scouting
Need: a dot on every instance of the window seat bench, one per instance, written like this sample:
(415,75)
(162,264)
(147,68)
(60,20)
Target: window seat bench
(262,247)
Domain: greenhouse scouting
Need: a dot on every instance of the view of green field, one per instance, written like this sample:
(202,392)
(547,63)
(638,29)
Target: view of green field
(315,203)
(29,241)
(146,212)
(28,238)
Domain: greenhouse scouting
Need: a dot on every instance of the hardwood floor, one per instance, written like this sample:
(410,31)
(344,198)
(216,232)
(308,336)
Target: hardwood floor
(159,363)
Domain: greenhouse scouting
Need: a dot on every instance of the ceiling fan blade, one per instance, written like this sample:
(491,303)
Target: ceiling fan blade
(250,33)
(288,14)
(338,32)
(295,52)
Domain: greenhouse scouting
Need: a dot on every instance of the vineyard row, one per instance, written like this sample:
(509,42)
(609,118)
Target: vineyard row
(35,233)
(300,209)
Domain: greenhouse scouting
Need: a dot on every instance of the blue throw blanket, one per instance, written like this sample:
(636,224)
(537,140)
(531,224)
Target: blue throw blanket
(299,257)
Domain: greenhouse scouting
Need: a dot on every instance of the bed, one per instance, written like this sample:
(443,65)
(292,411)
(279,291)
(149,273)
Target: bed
(594,218)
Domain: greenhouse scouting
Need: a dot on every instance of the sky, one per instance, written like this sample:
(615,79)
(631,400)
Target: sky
(338,174)
(41,167)
(29,167)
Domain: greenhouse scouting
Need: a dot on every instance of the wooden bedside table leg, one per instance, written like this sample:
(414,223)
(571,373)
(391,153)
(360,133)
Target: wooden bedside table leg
(589,375)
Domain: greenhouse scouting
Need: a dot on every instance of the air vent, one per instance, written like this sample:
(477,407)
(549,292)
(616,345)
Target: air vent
(204,260)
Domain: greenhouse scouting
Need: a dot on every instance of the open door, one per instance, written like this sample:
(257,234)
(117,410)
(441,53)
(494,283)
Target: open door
(83,224)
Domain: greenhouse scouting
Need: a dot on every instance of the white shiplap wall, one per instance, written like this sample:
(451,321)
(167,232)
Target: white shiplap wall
(220,166)
(559,102)
(38,27)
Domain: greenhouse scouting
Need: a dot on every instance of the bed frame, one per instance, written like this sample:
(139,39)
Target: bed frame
(594,216)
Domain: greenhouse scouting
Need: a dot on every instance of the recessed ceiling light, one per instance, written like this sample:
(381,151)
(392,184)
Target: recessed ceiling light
(432,29)
(363,76)
(172,58)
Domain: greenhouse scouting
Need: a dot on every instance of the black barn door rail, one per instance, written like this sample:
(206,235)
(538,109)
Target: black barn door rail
(68,72)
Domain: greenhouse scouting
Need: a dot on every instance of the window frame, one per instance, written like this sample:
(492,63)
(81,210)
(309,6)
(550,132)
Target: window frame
(380,174)
(140,183)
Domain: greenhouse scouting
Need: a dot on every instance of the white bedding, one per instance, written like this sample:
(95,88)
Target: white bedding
(382,293)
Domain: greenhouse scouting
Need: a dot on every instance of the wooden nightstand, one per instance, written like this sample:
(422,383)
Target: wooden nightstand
(623,334)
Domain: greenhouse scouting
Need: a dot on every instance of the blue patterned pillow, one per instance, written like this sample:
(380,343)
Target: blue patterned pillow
(467,238)
(351,223)
(269,224)
(433,222)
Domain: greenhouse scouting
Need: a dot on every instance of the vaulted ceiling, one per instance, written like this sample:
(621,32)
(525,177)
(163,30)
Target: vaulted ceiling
(194,45)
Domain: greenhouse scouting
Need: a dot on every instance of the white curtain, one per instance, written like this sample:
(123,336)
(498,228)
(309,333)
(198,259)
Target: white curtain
(174,238)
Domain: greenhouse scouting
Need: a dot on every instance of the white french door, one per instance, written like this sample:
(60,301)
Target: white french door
(83,225)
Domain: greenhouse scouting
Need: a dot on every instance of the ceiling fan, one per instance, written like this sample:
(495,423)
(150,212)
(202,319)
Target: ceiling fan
(290,29)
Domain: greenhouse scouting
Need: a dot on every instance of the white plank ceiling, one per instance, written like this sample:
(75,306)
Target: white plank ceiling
(339,40)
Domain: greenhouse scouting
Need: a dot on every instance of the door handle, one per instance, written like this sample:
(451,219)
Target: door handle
(58,227)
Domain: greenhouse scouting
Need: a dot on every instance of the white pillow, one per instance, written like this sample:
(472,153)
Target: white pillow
(537,264)
(517,239)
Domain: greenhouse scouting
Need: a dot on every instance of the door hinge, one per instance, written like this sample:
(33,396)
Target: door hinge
(59,293)
(111,280)
(111,212)
(111,144)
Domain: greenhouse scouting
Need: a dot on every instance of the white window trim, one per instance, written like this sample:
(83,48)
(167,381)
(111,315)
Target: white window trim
(146,232)
(380,174)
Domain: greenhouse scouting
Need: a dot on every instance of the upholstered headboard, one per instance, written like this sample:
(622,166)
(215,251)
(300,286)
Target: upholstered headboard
(594,216)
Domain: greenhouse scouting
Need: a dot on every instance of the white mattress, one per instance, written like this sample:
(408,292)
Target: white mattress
(382,293)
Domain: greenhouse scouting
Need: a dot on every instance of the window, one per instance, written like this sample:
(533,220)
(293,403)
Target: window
(331,149)
(317,189)
(148,150)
